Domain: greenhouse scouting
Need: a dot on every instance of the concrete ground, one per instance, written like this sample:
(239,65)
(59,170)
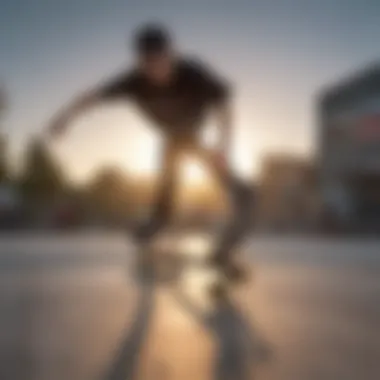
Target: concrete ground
(70,310)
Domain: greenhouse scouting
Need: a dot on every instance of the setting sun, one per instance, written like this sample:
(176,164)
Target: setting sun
(193,171)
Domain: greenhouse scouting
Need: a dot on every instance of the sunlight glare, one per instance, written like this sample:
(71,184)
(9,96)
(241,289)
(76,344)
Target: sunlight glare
(193,171)
(142,155)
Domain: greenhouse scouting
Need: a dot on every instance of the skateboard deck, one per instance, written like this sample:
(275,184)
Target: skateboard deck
(183,260)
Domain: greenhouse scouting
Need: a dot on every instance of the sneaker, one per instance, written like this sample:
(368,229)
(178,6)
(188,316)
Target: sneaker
(245,206)
(235,272)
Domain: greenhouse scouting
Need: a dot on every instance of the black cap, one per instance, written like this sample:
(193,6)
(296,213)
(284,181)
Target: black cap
(152,38)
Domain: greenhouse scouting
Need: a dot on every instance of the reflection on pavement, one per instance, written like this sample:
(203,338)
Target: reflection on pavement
(126,358)
(230,347)
(68,308)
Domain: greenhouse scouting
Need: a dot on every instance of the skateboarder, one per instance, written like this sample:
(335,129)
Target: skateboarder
(176,93)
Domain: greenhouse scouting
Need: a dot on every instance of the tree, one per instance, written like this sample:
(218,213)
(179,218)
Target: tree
(109,192)
(42,179)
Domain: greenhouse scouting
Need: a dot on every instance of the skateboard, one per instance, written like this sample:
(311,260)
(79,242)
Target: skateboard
(183,261)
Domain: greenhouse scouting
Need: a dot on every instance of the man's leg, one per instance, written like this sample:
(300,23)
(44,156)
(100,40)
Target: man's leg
(241,199)
(164,202)
(162,210)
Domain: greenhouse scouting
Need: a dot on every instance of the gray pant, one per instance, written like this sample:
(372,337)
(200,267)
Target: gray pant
(239,194)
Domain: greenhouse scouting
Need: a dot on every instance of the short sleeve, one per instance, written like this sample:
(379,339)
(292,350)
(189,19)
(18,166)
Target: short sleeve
(214,88)
(122,86)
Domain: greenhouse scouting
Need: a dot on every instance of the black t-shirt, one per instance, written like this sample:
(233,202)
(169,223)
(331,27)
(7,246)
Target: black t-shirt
(177,108)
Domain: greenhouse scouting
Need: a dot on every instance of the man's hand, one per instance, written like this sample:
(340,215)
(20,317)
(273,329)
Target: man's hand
(59,124)
(58,127)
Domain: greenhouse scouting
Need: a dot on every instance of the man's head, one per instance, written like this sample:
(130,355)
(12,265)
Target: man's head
(154,50)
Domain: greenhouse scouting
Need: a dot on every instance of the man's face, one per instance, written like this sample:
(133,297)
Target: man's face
(157,66)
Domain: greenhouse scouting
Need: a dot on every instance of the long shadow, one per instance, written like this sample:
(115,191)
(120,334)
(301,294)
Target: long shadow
(240,348)
(125,364)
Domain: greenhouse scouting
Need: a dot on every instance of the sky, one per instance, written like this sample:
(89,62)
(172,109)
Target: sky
(278,54)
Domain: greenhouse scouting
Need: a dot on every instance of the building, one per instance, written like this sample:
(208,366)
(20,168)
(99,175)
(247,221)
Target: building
(349,151)
(287,195)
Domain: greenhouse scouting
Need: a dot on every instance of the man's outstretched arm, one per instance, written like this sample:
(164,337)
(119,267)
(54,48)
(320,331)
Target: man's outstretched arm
(61,121)
(119,87)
